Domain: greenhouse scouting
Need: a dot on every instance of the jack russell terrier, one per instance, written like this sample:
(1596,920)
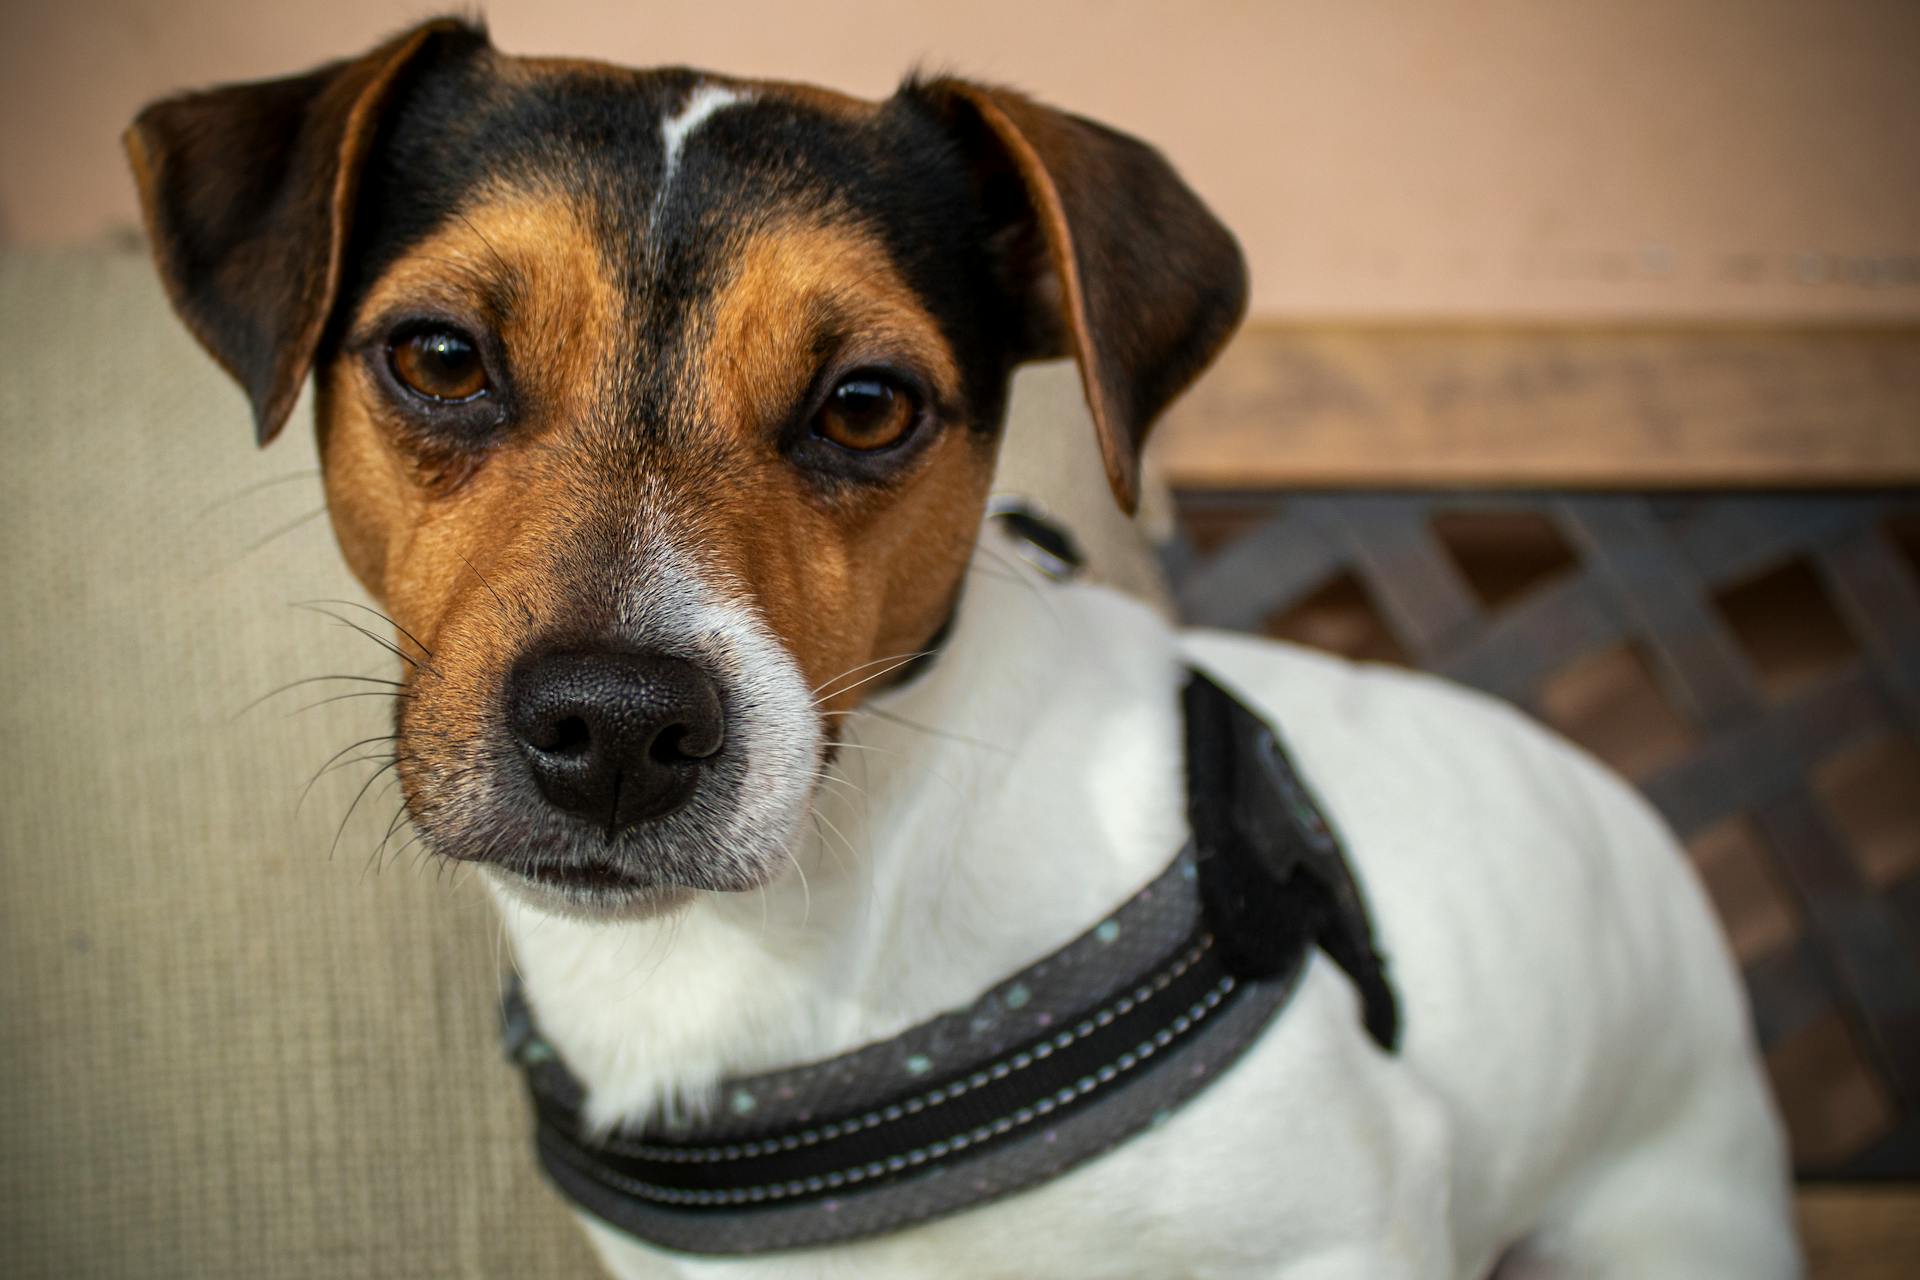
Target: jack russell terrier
(883,906)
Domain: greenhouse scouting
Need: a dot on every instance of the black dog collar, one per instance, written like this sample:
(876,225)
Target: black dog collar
(1065,1060)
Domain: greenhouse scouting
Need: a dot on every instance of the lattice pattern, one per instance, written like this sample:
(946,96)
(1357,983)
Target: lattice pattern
(1752,662)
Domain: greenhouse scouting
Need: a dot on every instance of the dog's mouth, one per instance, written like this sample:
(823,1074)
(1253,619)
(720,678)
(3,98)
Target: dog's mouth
(729,836)
(641,874)
(594,891)
(604,771)
(592,877)
(588,889)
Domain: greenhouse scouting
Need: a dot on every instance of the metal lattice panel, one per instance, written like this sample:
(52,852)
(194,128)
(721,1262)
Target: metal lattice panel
(1752,662)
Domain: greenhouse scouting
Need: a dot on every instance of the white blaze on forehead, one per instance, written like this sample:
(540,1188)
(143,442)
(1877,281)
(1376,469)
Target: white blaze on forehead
(699,107)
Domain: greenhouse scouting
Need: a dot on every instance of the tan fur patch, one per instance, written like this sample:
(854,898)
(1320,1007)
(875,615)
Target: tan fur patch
(760,353)
(405,515)
(871,575)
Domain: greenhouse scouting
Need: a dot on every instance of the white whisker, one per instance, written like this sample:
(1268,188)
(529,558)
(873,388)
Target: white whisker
(806,890)
(897,660)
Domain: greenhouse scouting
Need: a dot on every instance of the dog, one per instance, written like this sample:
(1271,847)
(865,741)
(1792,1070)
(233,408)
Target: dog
(659,410)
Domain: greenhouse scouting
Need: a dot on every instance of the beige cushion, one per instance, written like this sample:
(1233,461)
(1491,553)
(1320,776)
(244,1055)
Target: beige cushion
(228,1053)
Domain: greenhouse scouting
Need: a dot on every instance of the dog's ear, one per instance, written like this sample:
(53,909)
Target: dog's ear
(1110,256)
(247,191)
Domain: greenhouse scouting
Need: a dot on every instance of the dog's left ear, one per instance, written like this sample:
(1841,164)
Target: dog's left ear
(1111,258)
(247,192)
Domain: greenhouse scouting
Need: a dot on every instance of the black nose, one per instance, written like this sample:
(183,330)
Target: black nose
(615,738)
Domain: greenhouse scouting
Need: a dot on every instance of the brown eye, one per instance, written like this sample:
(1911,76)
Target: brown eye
(441,364)
(866,412)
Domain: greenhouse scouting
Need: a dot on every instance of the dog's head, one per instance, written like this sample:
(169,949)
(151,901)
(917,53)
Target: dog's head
(660,406)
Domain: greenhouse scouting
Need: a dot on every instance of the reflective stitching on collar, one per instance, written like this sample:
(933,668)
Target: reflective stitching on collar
(932,1098)
(936,1151)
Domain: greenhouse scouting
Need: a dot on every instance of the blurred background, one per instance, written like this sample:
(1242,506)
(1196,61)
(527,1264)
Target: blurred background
(1583,366)
(1706,160)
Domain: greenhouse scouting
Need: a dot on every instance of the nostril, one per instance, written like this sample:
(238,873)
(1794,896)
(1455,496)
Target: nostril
(682,744)
(665,747)
(556,735)
(571,737)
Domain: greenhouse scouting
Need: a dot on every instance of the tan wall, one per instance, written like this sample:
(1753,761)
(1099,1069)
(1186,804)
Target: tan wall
(1639,158)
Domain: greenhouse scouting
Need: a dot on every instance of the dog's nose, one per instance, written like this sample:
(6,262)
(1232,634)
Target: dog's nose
(615,738)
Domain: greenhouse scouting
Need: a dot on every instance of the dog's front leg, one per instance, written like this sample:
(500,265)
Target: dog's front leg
(1317,1157)
(1400,1226)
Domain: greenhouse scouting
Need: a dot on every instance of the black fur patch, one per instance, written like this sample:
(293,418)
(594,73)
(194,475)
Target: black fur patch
(595,136)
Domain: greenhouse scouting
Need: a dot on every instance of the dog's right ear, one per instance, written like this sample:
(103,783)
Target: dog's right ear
(247,191)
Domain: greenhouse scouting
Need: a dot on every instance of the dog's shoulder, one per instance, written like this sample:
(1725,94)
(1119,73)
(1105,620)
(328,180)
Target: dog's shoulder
(1414,737)
(1486,813)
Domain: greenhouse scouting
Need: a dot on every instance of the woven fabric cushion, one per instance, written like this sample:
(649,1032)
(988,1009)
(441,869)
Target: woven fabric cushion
(235,1046)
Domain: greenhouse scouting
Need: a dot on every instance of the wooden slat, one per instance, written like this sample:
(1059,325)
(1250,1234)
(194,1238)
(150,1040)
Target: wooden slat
(1868,583)
(1426,601)
(1702,666)
(1860,1232)
(1444,407)
(1523,645)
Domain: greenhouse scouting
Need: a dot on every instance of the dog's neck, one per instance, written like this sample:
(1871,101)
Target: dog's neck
(972,821)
